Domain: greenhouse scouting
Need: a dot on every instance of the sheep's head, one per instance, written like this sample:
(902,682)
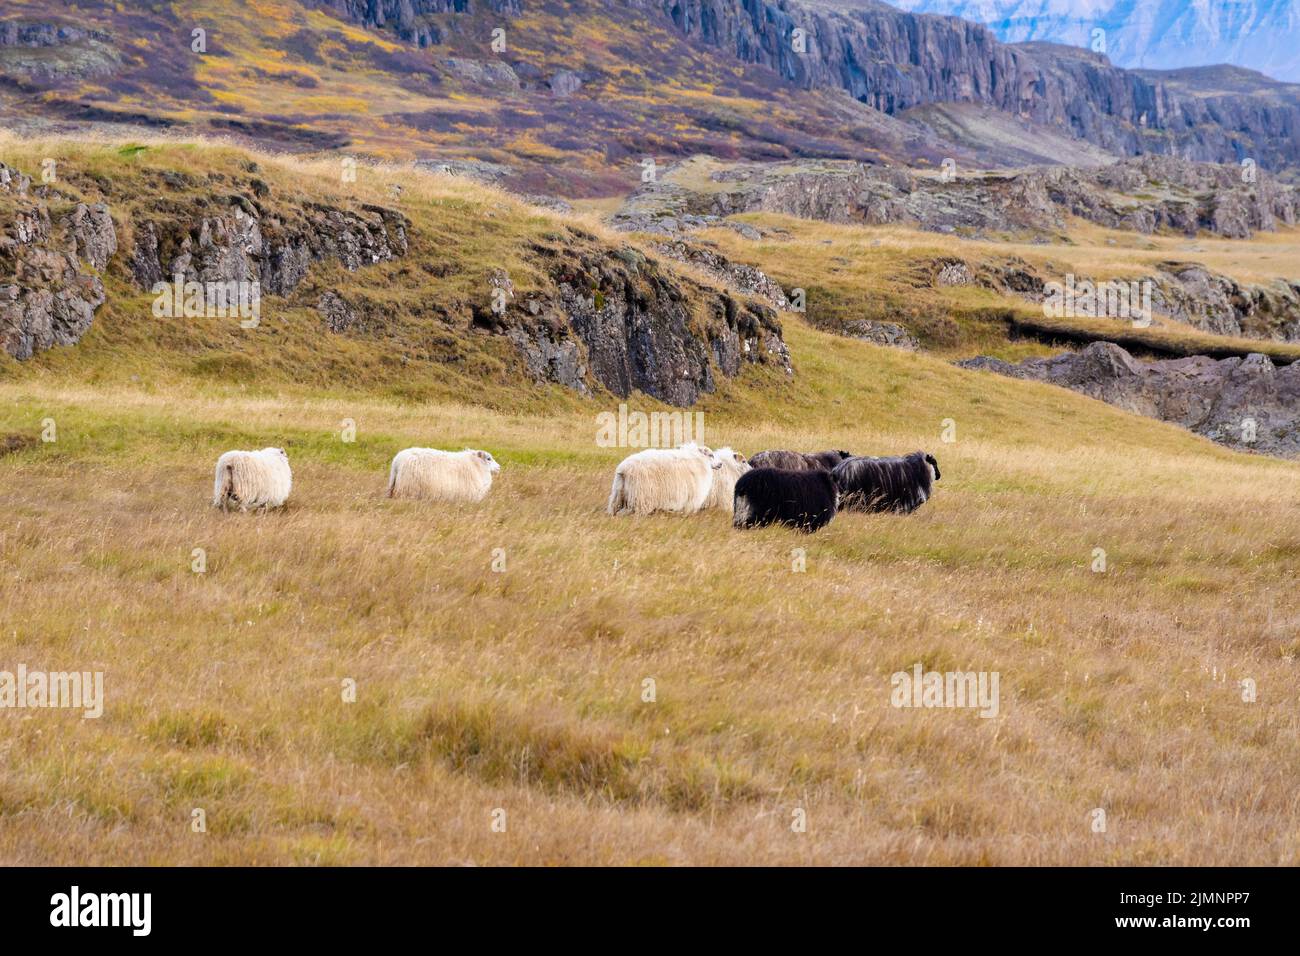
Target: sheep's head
(730,461)
(702,450)
(491,462)
(934,466)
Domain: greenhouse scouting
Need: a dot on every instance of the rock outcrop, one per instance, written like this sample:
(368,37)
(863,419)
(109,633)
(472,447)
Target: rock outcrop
(604,316)
(1246,403)
(240,244)
(624,322)
(1147,194)
(745,279)
(336,312)
(1192,294)
(51,251)
(890,334)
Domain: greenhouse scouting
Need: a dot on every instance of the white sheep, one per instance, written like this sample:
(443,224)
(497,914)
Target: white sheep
(723,489)
(252,479)
(663,479)
(455,476)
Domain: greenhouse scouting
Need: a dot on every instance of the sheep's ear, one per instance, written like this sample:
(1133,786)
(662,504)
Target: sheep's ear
(740,459)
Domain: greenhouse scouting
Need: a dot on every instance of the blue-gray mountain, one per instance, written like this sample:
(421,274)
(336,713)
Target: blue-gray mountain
(1263,35)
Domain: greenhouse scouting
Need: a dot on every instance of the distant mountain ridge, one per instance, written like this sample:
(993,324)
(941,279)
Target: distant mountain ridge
(896,61)
(1262,35)
(567,97)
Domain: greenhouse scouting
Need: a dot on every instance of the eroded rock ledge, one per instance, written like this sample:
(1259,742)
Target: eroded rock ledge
(1146,195)
(1246,403)
(623,321)
(51,253)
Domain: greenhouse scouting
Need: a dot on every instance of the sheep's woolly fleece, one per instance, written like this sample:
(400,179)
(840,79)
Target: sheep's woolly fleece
(252,479)
(433,475)
(662,479)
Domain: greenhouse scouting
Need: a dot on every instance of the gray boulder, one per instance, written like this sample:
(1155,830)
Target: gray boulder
(1246,403)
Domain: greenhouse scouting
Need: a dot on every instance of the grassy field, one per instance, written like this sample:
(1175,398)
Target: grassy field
(521,689)
(518,686)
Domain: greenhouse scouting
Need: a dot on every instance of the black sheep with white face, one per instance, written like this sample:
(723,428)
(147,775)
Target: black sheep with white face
(899,484)
(805,500)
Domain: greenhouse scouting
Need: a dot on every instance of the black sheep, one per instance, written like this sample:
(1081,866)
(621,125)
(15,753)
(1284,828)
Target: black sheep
(900,485)
(802,499)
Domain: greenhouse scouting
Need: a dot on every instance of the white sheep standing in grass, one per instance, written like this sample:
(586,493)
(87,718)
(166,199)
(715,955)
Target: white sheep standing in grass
(663,479)
(252,479)
(454,476)
(722,491)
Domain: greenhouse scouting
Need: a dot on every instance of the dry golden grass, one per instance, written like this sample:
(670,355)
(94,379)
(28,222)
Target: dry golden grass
(522,689)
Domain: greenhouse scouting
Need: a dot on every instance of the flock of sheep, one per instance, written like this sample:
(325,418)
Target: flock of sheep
(804,491)
(801,490)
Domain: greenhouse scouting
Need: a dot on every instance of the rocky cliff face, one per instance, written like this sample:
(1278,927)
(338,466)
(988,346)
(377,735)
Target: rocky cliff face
(894,61)
(1242,402)
(409,19)
(625,322)
(45,50)
(243,244)
(51,253)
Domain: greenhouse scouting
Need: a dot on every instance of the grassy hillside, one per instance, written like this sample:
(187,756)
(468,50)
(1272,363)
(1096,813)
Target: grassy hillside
(889,273)
(417,339)
(521,689)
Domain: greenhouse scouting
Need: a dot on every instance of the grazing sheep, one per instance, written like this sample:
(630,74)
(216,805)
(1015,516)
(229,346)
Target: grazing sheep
(802,499)
(452,476)
(252,479)
(798,461)
(663,479)
(722,491)
(900,485)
